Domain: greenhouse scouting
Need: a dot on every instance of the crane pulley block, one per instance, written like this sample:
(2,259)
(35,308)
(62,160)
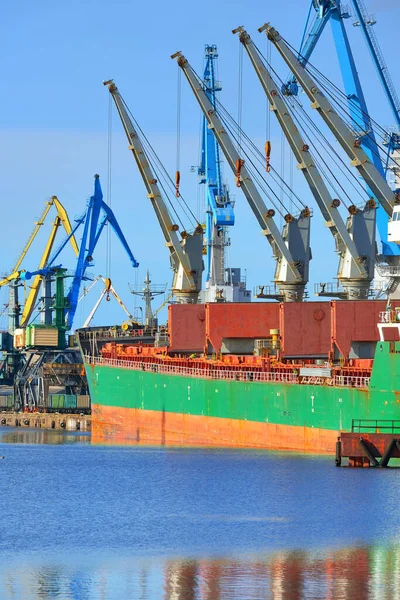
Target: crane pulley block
(177,182)
(267,156)
(239,165)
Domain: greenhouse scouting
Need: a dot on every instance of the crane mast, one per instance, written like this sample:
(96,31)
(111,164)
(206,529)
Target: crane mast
(185,254)
(219,209)
(291,249)
(351,144)
(355,242)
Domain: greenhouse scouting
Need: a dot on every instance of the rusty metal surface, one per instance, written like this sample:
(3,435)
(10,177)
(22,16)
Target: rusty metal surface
(305,328)
(240,320)
(187,328)
(356,321)
(375,442)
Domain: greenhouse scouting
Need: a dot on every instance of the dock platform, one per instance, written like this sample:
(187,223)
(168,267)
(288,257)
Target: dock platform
(371,443)
(68,422)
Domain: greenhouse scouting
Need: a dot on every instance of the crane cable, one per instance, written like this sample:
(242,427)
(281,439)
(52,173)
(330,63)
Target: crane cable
(257,154)
(154,159)
(256,174)
(322,164)
(312,70)
(240,103)
(346,171)
(109,181)
(268,145)
(236,132)
(178,134)
(226,118)
(259,157)
(358,129)
(282,170)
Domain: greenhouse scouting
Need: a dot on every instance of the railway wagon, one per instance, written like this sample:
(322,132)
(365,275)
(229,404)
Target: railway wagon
(68,403)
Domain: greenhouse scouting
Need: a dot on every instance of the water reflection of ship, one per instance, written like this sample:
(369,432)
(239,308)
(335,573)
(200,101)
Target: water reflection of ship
(362,573)
(347,574)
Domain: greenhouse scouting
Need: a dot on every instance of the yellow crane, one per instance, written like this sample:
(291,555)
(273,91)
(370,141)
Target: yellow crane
(61,219)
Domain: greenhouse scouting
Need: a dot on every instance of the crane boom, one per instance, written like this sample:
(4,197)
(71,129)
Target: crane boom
(63,216)
(320,12)
(186,254)
(34,233)
(311,35)
(34,288)
(108,287)
(356,270)
(373,46)
(350,144)
(292,269)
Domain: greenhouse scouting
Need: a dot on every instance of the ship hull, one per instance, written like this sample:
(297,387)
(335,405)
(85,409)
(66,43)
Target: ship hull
(134,425)
(140,406)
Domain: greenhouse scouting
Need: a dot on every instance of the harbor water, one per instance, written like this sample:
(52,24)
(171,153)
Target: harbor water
(88,522)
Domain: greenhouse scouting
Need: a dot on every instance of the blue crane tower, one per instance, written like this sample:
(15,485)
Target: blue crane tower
(222,281)
(320,13)
(96,216)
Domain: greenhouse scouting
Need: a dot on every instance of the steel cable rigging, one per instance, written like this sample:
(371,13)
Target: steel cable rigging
(343,102)
(315,136)
(166,179)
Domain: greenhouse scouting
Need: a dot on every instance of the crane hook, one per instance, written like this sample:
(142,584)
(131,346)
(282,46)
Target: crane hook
(177,182)
(108,287)
(239,165)
(267,156)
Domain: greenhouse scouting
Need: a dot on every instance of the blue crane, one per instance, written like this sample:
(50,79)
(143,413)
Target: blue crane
(93,220)
(320,13)
(97,215)
(219,208)
(365,23)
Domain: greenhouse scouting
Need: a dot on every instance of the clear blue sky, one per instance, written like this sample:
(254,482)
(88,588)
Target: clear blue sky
(54,115)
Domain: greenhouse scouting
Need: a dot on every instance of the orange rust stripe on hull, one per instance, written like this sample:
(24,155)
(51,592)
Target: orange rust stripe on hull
(133,425)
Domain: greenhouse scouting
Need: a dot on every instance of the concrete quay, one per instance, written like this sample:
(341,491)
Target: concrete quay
(67,422)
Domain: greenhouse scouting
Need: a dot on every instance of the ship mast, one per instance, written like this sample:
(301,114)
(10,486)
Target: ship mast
(148,293)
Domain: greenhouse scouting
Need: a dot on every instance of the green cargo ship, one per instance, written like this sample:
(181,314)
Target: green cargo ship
(154,399)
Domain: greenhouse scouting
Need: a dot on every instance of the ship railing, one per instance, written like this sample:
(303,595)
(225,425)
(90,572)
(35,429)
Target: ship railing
(375,426)
(227,374)
(220,374)
(116,333)
(352,381)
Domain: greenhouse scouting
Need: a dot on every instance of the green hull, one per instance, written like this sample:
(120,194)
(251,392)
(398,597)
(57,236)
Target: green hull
(116,390)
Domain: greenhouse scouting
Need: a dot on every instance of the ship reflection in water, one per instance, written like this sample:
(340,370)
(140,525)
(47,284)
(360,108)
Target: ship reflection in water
(347,574)
(82,521)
